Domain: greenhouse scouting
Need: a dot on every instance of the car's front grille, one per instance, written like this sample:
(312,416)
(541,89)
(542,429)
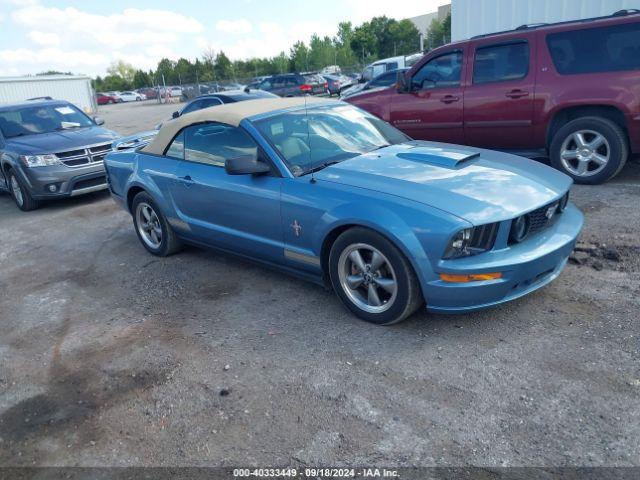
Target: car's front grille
(538,219)
(84,156)
(100,148)
(91,182)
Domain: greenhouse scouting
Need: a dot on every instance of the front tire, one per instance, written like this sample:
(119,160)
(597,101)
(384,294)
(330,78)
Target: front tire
(152,228)
(20,193)
(591,150)
(373,278)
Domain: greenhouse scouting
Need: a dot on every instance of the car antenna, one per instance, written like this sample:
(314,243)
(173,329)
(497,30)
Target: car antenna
(306,114)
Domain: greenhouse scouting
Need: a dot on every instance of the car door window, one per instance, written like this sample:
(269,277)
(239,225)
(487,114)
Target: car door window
(595,50)
(291,82)
(210,102)
(192,107)
(391,66)
(501,63)
(439,72)
(213,143)
(176,149)
(384,80)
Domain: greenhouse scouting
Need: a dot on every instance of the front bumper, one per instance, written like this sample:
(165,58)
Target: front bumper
(68,181)
(525,268)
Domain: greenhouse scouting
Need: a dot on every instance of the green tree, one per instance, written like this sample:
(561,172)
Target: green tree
(345,56)
(299,57)
(363,43)
(166,69)
(142,79)
(439,32)
(223,66)
(121,69)
(405,37)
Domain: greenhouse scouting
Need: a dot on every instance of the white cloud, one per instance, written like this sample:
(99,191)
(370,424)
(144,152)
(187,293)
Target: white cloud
(358,11)
(49,59)
(268,40)
(44,39)
(241,26)
(138,36)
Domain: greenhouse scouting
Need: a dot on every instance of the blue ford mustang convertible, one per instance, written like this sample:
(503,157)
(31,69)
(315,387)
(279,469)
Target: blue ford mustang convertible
(324,190)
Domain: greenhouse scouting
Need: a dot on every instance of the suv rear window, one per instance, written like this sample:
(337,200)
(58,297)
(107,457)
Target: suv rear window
(594,50)
(501,63)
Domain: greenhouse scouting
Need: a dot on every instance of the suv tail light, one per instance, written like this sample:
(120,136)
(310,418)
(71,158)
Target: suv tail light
(306,88)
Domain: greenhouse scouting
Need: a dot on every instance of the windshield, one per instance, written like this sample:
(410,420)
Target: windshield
(335,133)
(41,119)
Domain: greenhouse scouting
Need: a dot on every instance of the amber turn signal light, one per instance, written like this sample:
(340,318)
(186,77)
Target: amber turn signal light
(472,277)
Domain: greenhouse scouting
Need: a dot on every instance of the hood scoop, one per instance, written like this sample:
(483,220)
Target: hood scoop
(448,158)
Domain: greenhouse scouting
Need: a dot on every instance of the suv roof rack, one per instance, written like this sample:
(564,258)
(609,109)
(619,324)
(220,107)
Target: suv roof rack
(619,13)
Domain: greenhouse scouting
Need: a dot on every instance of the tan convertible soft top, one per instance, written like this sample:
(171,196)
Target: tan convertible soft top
(229,113)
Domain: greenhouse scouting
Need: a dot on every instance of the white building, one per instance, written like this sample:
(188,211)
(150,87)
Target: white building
(477,17)
(423,22)
(74,89)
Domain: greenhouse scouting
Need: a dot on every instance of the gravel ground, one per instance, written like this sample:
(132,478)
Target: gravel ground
(109,356)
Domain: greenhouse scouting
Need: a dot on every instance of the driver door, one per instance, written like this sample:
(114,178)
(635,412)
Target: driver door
(240,213)
(433,108)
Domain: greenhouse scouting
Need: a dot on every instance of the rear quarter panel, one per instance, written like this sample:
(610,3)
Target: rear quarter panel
(555,92)
(152,173)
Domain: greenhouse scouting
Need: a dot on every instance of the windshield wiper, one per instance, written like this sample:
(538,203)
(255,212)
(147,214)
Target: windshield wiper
(381,146)
(321,166)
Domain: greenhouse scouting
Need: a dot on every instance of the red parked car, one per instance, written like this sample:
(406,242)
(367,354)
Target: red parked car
(104,99)
(569,91)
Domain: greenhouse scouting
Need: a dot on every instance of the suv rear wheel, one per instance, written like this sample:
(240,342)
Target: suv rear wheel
(591,150)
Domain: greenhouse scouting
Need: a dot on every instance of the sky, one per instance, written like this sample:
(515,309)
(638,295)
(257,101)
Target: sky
(87,36)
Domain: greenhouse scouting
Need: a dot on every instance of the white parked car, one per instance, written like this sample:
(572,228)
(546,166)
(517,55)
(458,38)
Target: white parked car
(175,91)
(132,96)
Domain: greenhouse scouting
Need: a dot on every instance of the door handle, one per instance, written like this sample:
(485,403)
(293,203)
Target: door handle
(187,180)
(517,93)
(449,99)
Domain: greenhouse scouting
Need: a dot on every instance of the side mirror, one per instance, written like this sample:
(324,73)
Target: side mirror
(175,114)
(245,165)
(98,121)
(402,85)
(361,79)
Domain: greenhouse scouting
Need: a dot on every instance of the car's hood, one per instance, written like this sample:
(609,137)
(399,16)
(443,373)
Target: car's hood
(60,141)
(353,89)
(481,186)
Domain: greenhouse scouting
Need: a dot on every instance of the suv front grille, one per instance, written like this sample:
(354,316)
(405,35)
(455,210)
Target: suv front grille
(84,156)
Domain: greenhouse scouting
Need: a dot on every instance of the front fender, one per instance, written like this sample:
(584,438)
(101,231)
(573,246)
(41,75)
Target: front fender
(382,220)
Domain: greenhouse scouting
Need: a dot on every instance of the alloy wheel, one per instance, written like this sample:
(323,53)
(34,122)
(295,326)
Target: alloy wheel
(585,153)
(149,226)
(17,191)
(367,278)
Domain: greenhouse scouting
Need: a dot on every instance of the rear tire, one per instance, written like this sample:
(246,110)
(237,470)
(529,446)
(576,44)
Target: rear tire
(152,228)
(20,193)
(591,150)
(362,260)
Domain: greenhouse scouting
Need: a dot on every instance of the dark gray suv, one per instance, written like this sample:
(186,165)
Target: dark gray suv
(51,149)
(294,84)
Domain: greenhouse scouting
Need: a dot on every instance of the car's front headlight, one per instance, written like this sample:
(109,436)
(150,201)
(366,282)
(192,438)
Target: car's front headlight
(472,241)
(40,160)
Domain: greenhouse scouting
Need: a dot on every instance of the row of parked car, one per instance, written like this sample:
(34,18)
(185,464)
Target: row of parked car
(568,91)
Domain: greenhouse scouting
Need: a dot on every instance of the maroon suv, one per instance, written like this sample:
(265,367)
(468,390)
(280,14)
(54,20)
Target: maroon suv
(568,91)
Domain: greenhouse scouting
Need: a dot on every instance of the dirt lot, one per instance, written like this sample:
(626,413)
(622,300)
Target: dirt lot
(109,356)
